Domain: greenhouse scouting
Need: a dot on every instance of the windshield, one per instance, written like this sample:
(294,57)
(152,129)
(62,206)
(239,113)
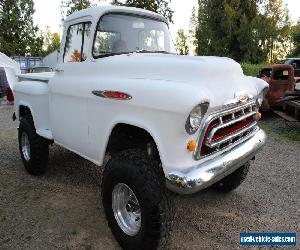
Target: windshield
(118,34)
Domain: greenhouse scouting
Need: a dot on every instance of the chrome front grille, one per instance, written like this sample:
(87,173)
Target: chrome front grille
(227,128)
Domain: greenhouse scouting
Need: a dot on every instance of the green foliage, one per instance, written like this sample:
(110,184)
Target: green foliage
(296,40)
(70,6)
(276,30)
(282,131)
(252,69)
(18,34)
(192,29)
(181,43)
(51,41)
(160,6)
(245,30)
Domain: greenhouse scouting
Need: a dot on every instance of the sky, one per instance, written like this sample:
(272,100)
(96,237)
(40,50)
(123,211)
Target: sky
(48,13)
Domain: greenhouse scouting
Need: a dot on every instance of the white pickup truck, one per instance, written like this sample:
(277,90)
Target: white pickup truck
(123,99)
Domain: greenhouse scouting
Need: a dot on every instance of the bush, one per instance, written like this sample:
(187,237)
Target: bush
(252,69)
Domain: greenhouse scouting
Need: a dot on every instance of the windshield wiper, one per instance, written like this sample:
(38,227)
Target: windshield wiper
(152,51)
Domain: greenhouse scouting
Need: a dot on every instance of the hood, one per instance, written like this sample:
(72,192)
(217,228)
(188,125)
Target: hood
(216,79)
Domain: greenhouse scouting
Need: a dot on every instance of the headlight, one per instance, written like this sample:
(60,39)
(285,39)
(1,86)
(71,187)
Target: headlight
(261,96)
(195,118)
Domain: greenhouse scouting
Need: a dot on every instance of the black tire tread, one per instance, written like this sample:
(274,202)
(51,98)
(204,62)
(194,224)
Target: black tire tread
(39,147)
(151,175)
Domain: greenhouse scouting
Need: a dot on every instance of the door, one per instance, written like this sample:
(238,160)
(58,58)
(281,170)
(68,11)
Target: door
(68,91)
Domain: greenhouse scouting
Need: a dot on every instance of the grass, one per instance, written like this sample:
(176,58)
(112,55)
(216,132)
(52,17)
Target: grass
(284,134)
(252,69)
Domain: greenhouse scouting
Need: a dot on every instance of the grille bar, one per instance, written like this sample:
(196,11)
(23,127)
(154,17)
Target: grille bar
(230,138)
(227,124)
(226,128)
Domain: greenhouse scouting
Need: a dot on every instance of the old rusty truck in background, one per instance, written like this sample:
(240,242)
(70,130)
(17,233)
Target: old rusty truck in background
(157,122)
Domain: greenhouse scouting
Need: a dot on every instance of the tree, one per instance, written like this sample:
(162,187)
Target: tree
(277,29)
(18,34)
(225,28)
(70,6)
(160,6)
(51,41)
(192,29)
(181,42)
(248,30)
(296,40)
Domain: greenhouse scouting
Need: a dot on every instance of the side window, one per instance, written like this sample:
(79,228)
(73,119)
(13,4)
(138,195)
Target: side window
(105,43)
(281,75)
(77,42)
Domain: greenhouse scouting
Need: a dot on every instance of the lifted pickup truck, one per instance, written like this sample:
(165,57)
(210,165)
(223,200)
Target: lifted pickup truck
(123,99)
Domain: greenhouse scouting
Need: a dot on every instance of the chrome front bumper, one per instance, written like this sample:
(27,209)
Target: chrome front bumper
(211,171)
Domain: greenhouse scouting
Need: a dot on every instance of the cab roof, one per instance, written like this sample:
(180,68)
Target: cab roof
(97,12)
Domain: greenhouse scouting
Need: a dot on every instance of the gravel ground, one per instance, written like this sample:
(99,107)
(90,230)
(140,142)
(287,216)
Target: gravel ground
(63,208)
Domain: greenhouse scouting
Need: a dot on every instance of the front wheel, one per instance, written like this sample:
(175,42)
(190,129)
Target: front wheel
(135,201)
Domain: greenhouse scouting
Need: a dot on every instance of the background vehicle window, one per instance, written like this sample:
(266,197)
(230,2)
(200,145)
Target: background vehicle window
(281,75)
(266,73)
(297,64)
(76,46)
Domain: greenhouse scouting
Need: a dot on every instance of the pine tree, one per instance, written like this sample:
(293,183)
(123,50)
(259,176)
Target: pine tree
(181,43)
(160,6)
(18,35)
(192,29)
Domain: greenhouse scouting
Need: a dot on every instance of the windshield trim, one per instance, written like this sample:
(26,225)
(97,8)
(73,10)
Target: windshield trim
(125,14)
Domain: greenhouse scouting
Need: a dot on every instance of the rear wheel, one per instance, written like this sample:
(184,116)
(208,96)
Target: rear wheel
(33,148)
(233,180)
(135,201)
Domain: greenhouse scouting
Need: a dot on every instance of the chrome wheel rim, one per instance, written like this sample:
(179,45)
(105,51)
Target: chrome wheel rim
(25,145)
(126,209)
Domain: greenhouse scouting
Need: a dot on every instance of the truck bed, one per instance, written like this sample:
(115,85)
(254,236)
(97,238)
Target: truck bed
(45,76)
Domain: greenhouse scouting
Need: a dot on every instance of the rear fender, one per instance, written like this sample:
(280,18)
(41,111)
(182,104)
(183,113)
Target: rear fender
(34,96)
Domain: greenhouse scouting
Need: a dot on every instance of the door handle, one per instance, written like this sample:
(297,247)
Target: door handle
(59,70)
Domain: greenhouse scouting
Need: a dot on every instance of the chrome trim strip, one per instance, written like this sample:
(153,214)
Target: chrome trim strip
(213,116)
(206,173)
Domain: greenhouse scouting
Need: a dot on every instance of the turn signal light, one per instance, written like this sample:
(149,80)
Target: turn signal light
(258,116)
(116,95)
(192,145)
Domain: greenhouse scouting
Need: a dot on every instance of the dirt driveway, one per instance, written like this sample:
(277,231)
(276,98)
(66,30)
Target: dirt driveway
(62,210)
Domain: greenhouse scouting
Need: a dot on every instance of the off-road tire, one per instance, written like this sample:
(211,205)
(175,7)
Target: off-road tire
(233,180)
(145,177)
(39,147)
